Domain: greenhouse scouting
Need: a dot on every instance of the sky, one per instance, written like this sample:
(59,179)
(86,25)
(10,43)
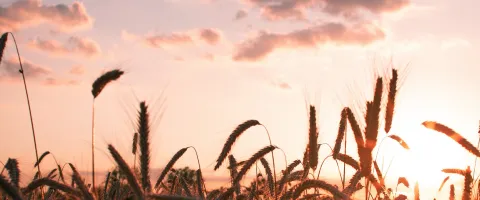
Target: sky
(218,63)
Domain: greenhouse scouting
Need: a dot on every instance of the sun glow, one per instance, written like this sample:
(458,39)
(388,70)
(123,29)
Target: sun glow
(429,153)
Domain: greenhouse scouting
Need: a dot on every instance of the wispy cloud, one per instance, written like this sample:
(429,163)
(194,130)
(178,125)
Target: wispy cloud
(26,13)
(210,36)
(296,9)
(50,81)
(77,70)
(241,14)
(73,46)
(265,43)
(160,40)
(10,69)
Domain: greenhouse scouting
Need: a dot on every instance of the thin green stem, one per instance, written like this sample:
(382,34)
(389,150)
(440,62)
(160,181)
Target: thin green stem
(345,152)
(29,108)
(199,167)
(331,150)
(273,162)
(28,101)
(93,143)
(338,168)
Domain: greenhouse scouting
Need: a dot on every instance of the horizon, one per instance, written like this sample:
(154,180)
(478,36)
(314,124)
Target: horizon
(219,63)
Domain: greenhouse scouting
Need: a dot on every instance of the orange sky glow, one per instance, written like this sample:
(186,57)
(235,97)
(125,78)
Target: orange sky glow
(218,63)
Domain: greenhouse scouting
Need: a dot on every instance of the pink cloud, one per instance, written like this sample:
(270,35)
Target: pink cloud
(159,40)
(25,13)
(210,36)
(59,82)
(10,69)
(240,15)
(172,39)
(283,9)
(77,70)
(265,43)
(75,45)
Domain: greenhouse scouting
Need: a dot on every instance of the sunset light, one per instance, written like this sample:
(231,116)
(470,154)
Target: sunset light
(239,99)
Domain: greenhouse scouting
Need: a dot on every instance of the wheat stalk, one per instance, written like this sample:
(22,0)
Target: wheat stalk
(169,166)
(467,189)
(169,197)
(379,174)
(185,187)
(286,173)
(227,147)
(453,135)
(400,141)
(227,194)
(233,173)
(417,191)
(341,132)
(134,149)
(443,183)
(268,171)
(353,183)
(200,185)
(13,171)
(81,185)
(348,160)
(312,139)
(392,92)
(52,184)
(254,158)
(452,192)
(318,184)
(3,43)
(97,87)
(404,181)
(10,189)
(122,165)
(144,143)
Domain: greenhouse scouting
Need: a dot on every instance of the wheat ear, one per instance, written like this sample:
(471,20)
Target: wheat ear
(353,183)
(13,171)
(143,130)
(443,183)
(312,138)
(452,192)
(52,184)
(169,166)
(81,185)
(122,165)
(348,160)
(97,87)
(392,92)
(10,189)
(249,163)
(233,173)
(268,171)
(227,147)
(286,174)
(400,141)
(453,135)
(3,41)
(318,184)
(417,191)
(168,197)
(342,127)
